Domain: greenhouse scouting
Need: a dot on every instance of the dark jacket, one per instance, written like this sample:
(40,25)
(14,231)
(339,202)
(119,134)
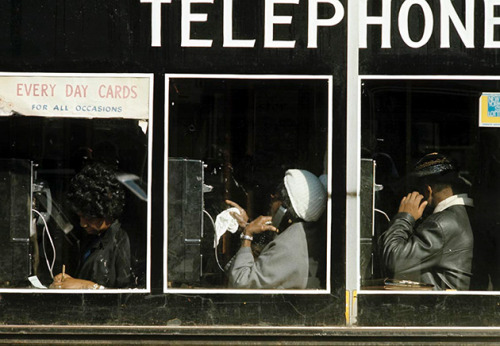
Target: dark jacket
(106,258)
(438,252)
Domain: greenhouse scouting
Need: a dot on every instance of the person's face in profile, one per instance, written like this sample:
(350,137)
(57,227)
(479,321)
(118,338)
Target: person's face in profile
(93,225)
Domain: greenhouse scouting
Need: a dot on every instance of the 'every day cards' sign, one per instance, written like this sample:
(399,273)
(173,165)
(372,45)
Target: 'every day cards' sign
(86,96)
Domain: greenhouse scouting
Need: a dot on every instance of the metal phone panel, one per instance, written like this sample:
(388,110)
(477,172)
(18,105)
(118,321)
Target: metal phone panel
(15,221)
(367,200)
(185,220)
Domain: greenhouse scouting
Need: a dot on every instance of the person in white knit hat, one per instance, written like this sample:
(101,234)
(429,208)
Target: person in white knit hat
(283,263)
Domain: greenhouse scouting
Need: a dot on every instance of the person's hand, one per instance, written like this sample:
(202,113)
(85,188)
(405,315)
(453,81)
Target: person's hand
(412,204)
(259,225)
(67,282)
(242,217)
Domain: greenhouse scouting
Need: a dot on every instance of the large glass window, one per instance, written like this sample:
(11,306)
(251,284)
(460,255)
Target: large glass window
(432,141)
(235,138)
(74,167)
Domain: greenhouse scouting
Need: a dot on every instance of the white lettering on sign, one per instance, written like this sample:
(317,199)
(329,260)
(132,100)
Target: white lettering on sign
(466,32)
(314,22)
(448,12)
(384,21)
(448,15)
(270,21)
(156,20)
(490,22)
(403,22)
(228,29)
(187,18)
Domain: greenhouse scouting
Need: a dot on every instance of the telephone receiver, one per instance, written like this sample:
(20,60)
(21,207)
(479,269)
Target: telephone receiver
(44,197)
(279,219)
(52,209)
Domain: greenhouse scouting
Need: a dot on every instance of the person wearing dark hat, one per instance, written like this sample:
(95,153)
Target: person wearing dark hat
(438,251)
(284,262)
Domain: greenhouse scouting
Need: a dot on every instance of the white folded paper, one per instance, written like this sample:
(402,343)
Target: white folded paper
(225,223)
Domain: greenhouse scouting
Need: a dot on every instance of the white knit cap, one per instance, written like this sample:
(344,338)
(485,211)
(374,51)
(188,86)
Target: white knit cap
(307,194)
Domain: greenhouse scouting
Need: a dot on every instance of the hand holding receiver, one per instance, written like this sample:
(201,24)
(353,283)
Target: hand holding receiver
(259,225)
(412,204)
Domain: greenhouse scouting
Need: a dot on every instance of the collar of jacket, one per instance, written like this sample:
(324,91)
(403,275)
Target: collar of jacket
(105,237)
(461,199)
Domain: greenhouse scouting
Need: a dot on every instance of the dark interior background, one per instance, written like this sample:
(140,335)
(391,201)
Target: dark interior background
(115,36)
(248,133)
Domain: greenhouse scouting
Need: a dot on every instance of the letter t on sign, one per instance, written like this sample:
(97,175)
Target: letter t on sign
(156,20)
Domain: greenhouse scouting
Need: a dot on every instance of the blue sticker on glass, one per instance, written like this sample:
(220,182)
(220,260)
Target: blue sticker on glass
(494,105)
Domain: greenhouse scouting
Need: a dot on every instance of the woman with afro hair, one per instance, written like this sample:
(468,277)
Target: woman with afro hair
(98,198)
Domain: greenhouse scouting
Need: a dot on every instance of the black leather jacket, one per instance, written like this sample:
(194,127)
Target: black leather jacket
(106,258)
(438,252)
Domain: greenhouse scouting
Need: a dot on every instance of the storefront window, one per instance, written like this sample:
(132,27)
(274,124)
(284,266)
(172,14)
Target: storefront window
(74,169)
(239,138)
(437,137)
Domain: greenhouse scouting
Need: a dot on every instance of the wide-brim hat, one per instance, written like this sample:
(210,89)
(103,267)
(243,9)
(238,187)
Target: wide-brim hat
(433,164)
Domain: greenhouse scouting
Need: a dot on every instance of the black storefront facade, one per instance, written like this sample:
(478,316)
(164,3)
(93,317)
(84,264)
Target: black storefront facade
(201,101)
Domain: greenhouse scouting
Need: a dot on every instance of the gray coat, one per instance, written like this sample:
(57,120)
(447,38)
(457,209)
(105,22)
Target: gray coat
(283,263)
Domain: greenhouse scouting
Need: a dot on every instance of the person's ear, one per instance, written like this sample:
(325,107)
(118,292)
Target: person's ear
(428,190)
(428,195)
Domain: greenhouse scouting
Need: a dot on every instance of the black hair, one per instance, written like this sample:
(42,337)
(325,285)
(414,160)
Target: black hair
(95,192)
(439,182)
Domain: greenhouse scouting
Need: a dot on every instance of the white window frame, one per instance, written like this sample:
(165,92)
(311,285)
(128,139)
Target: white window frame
(147,289)
(353,137)
(329,80)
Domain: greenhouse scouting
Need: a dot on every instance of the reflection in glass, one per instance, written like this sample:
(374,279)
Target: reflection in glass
(42,233)
(234,139)
(403,120)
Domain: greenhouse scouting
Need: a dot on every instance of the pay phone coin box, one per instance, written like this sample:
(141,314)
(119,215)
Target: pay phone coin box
(185,221)
(15,221)
(367,197)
